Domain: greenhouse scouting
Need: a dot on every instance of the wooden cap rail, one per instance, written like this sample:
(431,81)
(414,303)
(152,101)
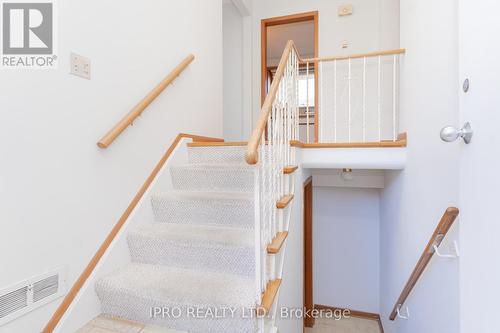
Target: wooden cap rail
(143,104)
(442,229)
(75,289)
(356,56)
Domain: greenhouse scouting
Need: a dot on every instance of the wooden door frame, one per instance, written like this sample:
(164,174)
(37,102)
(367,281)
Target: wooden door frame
(308,251)
(300,17)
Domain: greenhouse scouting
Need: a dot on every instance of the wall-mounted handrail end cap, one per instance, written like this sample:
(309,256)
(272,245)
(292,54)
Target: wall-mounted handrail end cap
(102,145)
(452,210)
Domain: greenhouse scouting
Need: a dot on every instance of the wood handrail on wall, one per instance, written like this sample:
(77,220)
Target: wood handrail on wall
(442,229)
(108,139)
(63,307)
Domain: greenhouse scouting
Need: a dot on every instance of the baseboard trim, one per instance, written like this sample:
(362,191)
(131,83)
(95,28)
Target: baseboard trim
(354,313)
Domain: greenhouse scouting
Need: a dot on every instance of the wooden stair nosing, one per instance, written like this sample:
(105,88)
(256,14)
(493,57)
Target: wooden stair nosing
(283,202)
(268,297)
(277,242)
(290,169)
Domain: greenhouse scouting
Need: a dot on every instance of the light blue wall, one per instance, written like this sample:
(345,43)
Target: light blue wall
(415,199)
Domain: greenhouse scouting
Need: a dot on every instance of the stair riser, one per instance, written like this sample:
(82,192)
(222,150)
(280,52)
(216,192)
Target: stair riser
(213,179)
(217,155)
(227,259)
(229,213)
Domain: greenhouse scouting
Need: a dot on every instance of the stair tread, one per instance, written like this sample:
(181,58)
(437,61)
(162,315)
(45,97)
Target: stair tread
(196,234)
(178,286)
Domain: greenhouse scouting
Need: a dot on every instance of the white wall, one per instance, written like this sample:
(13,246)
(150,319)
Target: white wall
(346,248)
(232,23)
(362,30)
(414,199)
(60,194)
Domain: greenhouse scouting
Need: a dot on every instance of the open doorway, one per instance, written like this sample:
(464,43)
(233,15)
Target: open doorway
(303,30)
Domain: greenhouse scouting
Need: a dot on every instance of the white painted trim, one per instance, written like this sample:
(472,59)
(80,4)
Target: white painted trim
(360,179)
(354,158)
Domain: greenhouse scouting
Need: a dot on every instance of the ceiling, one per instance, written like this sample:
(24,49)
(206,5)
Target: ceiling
(302,33)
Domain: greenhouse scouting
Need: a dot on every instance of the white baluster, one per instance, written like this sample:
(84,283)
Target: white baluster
(379,98)
(318,108)
(394,98)
(307,102)
(349,124)
(335,100)
(364,99)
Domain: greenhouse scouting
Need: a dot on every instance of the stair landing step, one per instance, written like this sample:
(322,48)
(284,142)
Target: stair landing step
(132,291)
(108,324)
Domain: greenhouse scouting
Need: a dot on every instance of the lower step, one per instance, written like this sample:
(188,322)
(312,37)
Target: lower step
(180,299)
(225,250)
(107,324)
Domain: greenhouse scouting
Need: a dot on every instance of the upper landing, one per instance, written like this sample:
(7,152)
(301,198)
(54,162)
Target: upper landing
(385,155)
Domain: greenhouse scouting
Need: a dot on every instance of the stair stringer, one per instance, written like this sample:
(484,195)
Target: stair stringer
(289,260)
(87,305)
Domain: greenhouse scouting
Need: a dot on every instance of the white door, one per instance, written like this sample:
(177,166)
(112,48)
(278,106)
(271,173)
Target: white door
(479,54)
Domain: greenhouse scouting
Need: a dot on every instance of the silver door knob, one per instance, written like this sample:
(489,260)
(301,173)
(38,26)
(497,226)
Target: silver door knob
(450,133)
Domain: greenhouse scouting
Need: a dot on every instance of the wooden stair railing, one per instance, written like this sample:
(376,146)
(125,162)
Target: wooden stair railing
(442,229)
(252,155)
(108,139)
(77,286)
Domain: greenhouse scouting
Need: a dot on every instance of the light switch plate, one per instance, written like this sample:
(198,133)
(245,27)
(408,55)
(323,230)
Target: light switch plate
(80,66)
(345,10)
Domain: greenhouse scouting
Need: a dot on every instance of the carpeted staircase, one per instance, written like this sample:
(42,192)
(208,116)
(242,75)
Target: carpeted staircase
(199,252)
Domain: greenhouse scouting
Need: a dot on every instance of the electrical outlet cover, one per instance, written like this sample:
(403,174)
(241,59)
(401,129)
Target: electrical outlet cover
(345,10)
(80,66)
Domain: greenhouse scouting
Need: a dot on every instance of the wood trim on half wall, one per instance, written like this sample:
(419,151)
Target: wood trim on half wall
(308,251)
